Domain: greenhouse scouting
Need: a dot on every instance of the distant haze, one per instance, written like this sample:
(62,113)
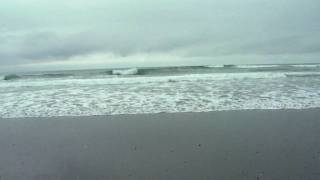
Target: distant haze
(60,34)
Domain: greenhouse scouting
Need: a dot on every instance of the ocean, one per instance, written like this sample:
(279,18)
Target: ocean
(159,89)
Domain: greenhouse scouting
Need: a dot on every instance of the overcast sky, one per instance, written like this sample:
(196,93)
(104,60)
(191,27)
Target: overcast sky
(70,34)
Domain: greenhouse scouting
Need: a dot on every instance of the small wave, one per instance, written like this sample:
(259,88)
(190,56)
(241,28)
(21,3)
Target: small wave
(214,66)
(108,72)
(172,80)
(257,66)
(229,66)
(132,71)
(40,76)
(306,65)
(277,68)
(57,75)
(303,75)
(35,76)
(171,70)
(11,77)
(242,66)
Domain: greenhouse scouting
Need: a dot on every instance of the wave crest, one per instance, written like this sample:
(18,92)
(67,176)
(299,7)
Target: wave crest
(11,77)
(132,71)
(303,75)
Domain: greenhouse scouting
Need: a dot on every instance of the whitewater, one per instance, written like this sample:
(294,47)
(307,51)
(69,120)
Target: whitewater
(157,90)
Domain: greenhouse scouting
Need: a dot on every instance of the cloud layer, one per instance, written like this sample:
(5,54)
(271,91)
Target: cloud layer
(203,32)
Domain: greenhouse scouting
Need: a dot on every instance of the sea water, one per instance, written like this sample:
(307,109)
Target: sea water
(155,90)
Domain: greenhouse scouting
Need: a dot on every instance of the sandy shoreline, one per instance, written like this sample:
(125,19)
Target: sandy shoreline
(258,144)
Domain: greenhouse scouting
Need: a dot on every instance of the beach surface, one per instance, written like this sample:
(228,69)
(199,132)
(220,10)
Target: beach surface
(253,144)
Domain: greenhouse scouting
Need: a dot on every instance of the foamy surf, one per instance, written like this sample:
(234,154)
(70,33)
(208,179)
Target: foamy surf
(153,90)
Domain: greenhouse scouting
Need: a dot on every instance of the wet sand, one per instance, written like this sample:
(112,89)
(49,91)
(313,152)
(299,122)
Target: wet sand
(257,144)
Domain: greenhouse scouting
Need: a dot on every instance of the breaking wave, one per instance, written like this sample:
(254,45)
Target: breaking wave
(229,66)
(132,71)
(11,77)
(34,76)
(306,65)
(258,66)
(169,71)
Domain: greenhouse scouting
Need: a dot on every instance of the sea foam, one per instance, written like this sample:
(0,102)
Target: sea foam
(143,94)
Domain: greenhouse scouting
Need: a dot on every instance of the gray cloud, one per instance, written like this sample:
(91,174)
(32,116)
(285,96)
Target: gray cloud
(43,31)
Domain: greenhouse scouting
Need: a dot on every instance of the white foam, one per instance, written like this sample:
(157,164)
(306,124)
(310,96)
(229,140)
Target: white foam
(303,74)
(257,66)
(187,93)
(214,66)
(306,65)
(132,71)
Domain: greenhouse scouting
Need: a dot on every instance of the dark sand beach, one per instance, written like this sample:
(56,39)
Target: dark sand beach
(255,144)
